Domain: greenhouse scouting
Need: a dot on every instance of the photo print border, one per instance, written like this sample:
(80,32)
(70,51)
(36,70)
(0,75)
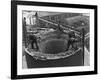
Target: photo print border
(14,41)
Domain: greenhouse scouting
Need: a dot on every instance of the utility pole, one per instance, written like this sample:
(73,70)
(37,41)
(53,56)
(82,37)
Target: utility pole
(83,44)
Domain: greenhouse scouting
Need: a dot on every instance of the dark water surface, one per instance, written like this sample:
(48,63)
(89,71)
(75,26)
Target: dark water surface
(54,46)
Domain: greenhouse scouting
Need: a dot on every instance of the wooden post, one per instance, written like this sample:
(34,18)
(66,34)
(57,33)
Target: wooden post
(83,44)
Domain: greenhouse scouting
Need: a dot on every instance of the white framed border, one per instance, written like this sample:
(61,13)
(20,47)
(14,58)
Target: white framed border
(21,71)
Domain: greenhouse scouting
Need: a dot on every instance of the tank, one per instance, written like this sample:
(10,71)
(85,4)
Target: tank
(54,52)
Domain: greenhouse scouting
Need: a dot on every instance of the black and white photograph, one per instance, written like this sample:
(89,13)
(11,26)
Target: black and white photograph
(51,40)
(55,39)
